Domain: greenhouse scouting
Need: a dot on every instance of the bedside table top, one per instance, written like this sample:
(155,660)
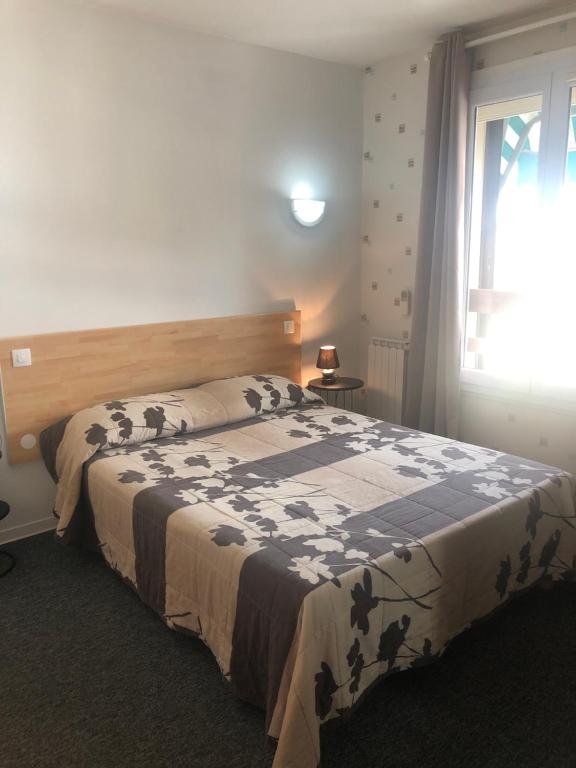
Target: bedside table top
(342,384)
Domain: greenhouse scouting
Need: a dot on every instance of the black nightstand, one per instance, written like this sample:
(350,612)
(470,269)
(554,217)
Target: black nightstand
(7,560)
(343,384)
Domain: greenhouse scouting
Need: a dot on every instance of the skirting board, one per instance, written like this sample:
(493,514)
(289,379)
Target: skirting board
(27,529)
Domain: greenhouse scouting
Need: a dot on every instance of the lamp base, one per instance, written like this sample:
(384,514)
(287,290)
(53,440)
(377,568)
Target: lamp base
(328,378)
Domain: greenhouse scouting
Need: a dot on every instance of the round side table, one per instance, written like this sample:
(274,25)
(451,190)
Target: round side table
(342,387)
(7,561)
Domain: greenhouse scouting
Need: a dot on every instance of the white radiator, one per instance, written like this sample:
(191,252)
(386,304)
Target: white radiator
(387,360)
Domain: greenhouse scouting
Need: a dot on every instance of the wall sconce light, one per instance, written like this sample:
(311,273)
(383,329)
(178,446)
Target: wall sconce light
(307,212)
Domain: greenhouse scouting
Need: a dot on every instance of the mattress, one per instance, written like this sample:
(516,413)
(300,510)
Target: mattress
(313,550)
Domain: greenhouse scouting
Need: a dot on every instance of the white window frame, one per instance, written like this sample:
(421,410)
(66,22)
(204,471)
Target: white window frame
(552,75)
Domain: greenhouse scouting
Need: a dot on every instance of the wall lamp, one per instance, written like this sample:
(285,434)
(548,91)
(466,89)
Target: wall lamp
(306,211)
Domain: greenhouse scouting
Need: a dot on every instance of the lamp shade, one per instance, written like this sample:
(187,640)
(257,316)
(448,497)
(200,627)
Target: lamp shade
(308,212)
(327,358)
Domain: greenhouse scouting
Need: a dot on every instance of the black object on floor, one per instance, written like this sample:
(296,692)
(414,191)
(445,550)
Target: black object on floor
(7,560)
(90,678)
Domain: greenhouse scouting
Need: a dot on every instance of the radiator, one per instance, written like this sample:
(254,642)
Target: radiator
(387,360)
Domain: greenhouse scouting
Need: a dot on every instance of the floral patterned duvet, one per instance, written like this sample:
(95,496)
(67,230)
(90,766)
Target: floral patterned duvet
(313,550)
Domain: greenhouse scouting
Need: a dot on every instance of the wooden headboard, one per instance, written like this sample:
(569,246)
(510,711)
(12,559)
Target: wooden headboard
(76,369)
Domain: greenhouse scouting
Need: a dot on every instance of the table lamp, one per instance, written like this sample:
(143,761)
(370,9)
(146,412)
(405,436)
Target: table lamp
(328,362)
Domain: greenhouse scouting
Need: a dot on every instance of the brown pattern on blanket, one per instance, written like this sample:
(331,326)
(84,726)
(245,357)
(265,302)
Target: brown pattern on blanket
(316,550)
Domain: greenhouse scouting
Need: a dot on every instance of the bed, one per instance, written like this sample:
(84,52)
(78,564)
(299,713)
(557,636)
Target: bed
(313,550)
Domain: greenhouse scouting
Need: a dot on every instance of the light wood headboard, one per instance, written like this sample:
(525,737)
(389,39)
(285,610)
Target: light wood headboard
(76,369)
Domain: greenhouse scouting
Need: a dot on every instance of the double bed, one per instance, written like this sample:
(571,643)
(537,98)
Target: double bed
(313,550)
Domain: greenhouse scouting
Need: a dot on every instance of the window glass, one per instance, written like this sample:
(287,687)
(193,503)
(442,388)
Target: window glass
(504,228)
(554,279)
(570,178)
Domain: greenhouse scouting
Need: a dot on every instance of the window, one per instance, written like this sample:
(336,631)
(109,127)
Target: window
(570,177)
(521,276)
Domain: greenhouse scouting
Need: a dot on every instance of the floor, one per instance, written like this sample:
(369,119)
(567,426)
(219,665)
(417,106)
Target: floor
(90,677)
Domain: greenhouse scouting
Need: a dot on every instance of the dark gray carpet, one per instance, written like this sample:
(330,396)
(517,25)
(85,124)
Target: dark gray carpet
(90,677)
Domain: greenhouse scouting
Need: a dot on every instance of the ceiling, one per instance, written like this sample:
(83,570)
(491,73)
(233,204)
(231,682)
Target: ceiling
(350,31)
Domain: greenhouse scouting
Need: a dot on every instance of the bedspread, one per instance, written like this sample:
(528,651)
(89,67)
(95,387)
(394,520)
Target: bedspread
(313,550)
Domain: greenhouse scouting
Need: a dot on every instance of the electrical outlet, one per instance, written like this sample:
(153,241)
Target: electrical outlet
(28,442)
(21,358)
(289,326)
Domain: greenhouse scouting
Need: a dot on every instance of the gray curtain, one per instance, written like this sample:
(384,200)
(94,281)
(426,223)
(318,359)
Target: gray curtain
(433,386)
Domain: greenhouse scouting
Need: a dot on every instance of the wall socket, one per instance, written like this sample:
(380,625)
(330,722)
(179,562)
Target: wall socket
(21,358)
(289,326)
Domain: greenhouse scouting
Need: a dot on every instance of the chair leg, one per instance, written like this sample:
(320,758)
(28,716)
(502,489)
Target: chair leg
(11,562)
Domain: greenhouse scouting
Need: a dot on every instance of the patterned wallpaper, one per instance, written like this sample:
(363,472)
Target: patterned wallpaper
(394,119)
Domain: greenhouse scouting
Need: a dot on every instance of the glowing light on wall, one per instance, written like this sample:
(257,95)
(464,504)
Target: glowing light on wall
(307,211)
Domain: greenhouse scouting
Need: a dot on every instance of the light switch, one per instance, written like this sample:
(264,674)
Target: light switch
(406,299)
(289,326)
(21,358)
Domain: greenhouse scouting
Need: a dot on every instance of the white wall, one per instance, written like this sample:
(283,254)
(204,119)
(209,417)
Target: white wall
(542,433)
(145,177)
